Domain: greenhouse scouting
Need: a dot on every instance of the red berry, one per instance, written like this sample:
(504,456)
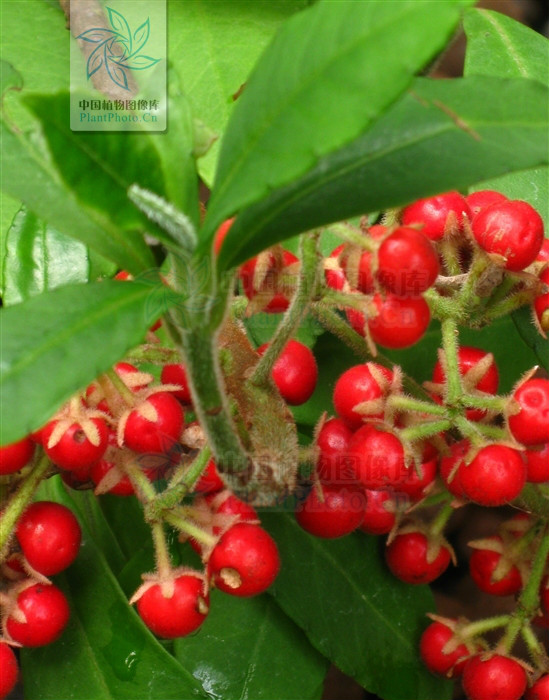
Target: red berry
(367,382)
(512,229)
(433,214)
(75,451)
(268,284)
(156,425)
(226,503)
(484,198)
(415,560)
(359,271)
(294,372)
(121,486)
(332,442)
(433,648)
(177,615)
(483,564)
(494,477)
(176,374)
(537,464)
(335,278)
(245,561)
(530,425)
(407,263)
(380,514)
(449,467)
(49,535)
(16,455)
(468,360)
(540,689)
(210,481)
(46,611)
(400,322)
(541,303)
(543,254)
(415,485)
(494,678)
(377,458)
(334,512)
(9,670)
(221,234)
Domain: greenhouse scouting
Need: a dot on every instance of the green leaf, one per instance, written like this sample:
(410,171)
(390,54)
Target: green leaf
(39,258)
(105,652)
(214,45)
(522,318)
(248,648)
(55,343)
(354,611)
(442,135)
(10,79)
(287,119)
(498,45)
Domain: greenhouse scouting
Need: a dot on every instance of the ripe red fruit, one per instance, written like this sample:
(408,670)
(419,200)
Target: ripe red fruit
(367,382)
(377,458)
(176,374)
(332,442)
(179,614)
(245,561)
(415,485)
(336,511)
(210,481)
(335,274)
(400,322)
(16,455)
(494,477)
(512,229)
(433,648)
(294,372)
(75,451)
(530,425)
(415,560)
(433,214)
(49,535)
(448,468)
(121,486)
(9,670)
(155,425)
(380,514)
(494,678)
(540,689)
(541,303)
(407,263)
(226,503)
(484,198)
(483,564)
(537,464)
(468,360)
(46,611)
(269,285)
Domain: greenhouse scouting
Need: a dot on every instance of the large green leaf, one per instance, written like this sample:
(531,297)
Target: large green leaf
(214,45)
(442,135)
(354,611)
(317,87)
(39,258)
(498,45)
(249,648)
(105,653)
(55,343)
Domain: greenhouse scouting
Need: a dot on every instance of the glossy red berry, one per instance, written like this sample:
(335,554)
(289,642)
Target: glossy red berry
(245,561)
(75,450)
(418,480)
(413,559)
(539,690)
(537,464)
(407,263)
(266,282)
(332,443)
(439,653)
(49,535)
(177,615)
(512,229)
(483,564)
(541,303)
(449,467)
(493,677)
(16,455)
(46,611)
(380,513)
(294,372)
(484,198)
(367,382)
(530,424)
(210,481)
(9,670)
(399,322)
(377,458)
(433,214)
(176,374)
(226,503)
(359,271)
(494,477)
(155,425)
(332,511)
(334,272)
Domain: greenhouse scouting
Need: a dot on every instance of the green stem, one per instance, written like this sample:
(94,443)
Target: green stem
(153,354)
(352,235)
(306,289)
(353,300)
(535,647)
(468,298)
(400,402)
(20,499)
(143,488)
(441,519)
(424,430)
(180,522)
(450,345)
(188,475)
(333,322)
(508,305)
(126,393)
(534,500)
(474,629)
(162,552)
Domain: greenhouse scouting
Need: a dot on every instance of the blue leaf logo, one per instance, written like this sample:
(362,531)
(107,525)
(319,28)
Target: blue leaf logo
(118,49)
